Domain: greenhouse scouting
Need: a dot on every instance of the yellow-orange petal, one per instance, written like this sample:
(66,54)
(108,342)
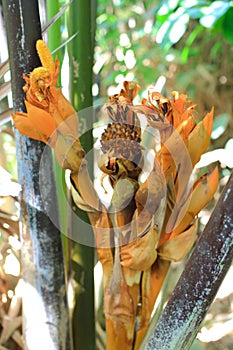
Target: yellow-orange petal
(179,103)
(65,107)
(131,89)
(151,192)
(41,120)
(64,115)
(203,191)
(179,117)
(198,140)
(174,148)
(175,249)
(208,121)
(186,126)
(26,127)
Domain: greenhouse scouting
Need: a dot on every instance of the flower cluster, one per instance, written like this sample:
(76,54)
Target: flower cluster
(155,222)
(50,117)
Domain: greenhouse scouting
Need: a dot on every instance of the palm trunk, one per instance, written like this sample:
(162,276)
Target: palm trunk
(45,312)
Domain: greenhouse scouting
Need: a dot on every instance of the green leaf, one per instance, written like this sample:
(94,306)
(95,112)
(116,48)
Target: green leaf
(185,52)
(197,345)
(213,12)
(173,29)
(167,7)
(219,126)
(228,25)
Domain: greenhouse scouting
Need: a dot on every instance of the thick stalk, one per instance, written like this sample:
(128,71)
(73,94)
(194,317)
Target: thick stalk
(54,32)
(45,312)
(199,283)
(54,41)
(80,49)
(151,290)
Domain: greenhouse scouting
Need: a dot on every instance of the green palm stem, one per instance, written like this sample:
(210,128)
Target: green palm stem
(199,282)
(54,41)
(54,32)
(62,198)
(45,311)
(80,19)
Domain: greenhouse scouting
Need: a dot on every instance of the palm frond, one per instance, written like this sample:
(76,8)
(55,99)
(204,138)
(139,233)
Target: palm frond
(5,88)
(5,115)
(4,68)
(65,43)
(56,17)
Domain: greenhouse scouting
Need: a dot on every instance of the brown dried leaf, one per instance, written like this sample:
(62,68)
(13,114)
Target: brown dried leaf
(141,253)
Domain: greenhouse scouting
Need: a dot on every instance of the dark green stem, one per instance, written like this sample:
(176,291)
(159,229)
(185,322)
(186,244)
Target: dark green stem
(54,32)
(45,311)
(54,41)
(81,19)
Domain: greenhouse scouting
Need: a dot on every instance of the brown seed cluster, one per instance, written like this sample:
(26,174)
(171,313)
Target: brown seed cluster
(123,140)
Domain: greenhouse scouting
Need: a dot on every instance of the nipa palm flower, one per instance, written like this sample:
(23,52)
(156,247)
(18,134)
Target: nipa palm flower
(120,141)
(50,117)
(156,220)
(151,223)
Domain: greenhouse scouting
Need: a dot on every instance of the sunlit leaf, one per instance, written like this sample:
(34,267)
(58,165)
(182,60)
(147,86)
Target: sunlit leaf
(228,25)
(229,144)
(192,3)
(167,7)
(213,12)
(220,124)
(173,29)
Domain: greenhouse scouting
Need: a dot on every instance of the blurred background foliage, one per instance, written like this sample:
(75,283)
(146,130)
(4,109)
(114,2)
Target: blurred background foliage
(184,45)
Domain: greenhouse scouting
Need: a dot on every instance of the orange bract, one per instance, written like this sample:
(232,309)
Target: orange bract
(47,108)
(36,123)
